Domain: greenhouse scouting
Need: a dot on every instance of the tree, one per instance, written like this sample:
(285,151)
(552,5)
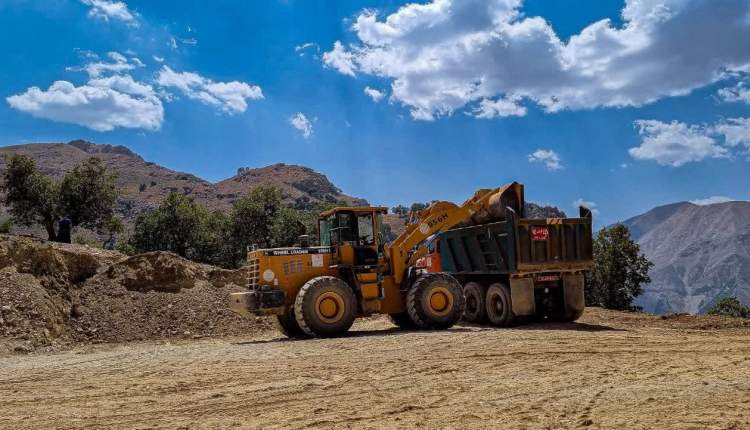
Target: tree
(730,306)
(400,210)
(87,194)
(619,270)
(182,226)
(260,218)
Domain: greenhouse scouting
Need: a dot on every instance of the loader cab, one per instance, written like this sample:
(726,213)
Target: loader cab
(355,232)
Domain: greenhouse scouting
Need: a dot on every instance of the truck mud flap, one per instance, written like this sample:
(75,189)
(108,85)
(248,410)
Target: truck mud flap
(574,296)
(522,296)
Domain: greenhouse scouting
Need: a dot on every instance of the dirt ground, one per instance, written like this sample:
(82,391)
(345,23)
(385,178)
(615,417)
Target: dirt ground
(609,370)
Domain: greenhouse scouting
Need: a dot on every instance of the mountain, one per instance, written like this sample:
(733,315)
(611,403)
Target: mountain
(700,254)
(144,184)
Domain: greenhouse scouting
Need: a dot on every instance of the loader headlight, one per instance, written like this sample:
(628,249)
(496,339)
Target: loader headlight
(268,275)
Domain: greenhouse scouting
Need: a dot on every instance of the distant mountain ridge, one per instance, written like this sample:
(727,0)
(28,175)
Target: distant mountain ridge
(700,254)
(143,184)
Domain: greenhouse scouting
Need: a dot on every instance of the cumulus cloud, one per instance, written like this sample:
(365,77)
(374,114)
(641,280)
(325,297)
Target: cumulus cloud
(548,157)
(309,46)
(712,200)
(375,94)
(502,107)
(301,123)
(101,105)
(230,97)
(340,59)
(736,132)
(447,54)
(587,204)
(115,10)
(739,93)
(676,143)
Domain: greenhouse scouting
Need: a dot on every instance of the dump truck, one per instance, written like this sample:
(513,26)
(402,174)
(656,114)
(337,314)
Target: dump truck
(516,269)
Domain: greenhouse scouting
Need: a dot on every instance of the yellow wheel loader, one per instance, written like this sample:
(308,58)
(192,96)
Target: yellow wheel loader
(320,290)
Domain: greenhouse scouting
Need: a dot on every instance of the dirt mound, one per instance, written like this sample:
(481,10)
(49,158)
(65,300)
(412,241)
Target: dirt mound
(55,295)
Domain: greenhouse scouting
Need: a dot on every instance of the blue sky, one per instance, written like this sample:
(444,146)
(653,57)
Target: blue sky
(645,109)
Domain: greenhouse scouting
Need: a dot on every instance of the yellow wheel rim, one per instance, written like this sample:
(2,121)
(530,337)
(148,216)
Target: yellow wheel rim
(329,307)
(440,301)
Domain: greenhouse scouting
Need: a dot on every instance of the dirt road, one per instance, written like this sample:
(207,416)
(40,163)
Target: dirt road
(611,370)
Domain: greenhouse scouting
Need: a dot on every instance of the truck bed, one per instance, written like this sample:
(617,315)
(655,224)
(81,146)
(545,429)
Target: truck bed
(518,245)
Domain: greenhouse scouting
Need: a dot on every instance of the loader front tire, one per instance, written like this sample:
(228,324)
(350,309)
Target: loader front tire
(287,324)
(325,307)
(476,311)
(499,306)
(435,301)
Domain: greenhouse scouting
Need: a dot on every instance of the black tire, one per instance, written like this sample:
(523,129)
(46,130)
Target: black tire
(435,301)
(325,307)
(287,324)
(475,311)
(402,321)
(499,306)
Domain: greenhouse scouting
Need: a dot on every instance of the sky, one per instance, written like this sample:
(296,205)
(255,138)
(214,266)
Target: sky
(619,105)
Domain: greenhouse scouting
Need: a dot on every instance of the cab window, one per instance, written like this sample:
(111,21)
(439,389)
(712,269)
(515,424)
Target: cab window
(325,231)
(365,234)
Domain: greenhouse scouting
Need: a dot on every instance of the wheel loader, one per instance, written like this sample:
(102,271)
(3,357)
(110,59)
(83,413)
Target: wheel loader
(318,291)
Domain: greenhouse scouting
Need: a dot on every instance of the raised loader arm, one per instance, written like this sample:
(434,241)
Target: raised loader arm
(486,204)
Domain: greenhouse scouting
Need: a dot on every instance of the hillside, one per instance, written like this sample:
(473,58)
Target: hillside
(700,254)
(144,184)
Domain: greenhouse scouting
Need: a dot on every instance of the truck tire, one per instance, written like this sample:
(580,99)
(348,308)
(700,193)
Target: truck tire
(402,321)
(499,306)
(435,301)
(287,324)
(476,311)
(325,307)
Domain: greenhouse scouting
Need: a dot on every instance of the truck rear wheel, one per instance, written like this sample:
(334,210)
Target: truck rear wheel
(499,306)
(287,324)
(476,311)
(435,301)
(325,307)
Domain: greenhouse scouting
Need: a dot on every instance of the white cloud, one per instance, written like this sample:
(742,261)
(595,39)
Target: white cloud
(340,59)
(547,156)
(119,64)
(101,105)
(230,97)
(502,107)
(301,123)
(587,204)
(676,143)
(738,93)
(302,49)
(444,55)
(158,59)
(736,131)
(107,9)
(712,200)
(375,94)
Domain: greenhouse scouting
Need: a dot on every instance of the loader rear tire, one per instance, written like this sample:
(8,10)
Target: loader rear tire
(499,306)
(476,311)
(435,301)
(287,324)
(402,321)
(325,307)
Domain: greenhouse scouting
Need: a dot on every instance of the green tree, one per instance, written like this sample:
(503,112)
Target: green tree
(400,210)
(619,271)
(182,226)
(288,227)
(730,306)
(87,194)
